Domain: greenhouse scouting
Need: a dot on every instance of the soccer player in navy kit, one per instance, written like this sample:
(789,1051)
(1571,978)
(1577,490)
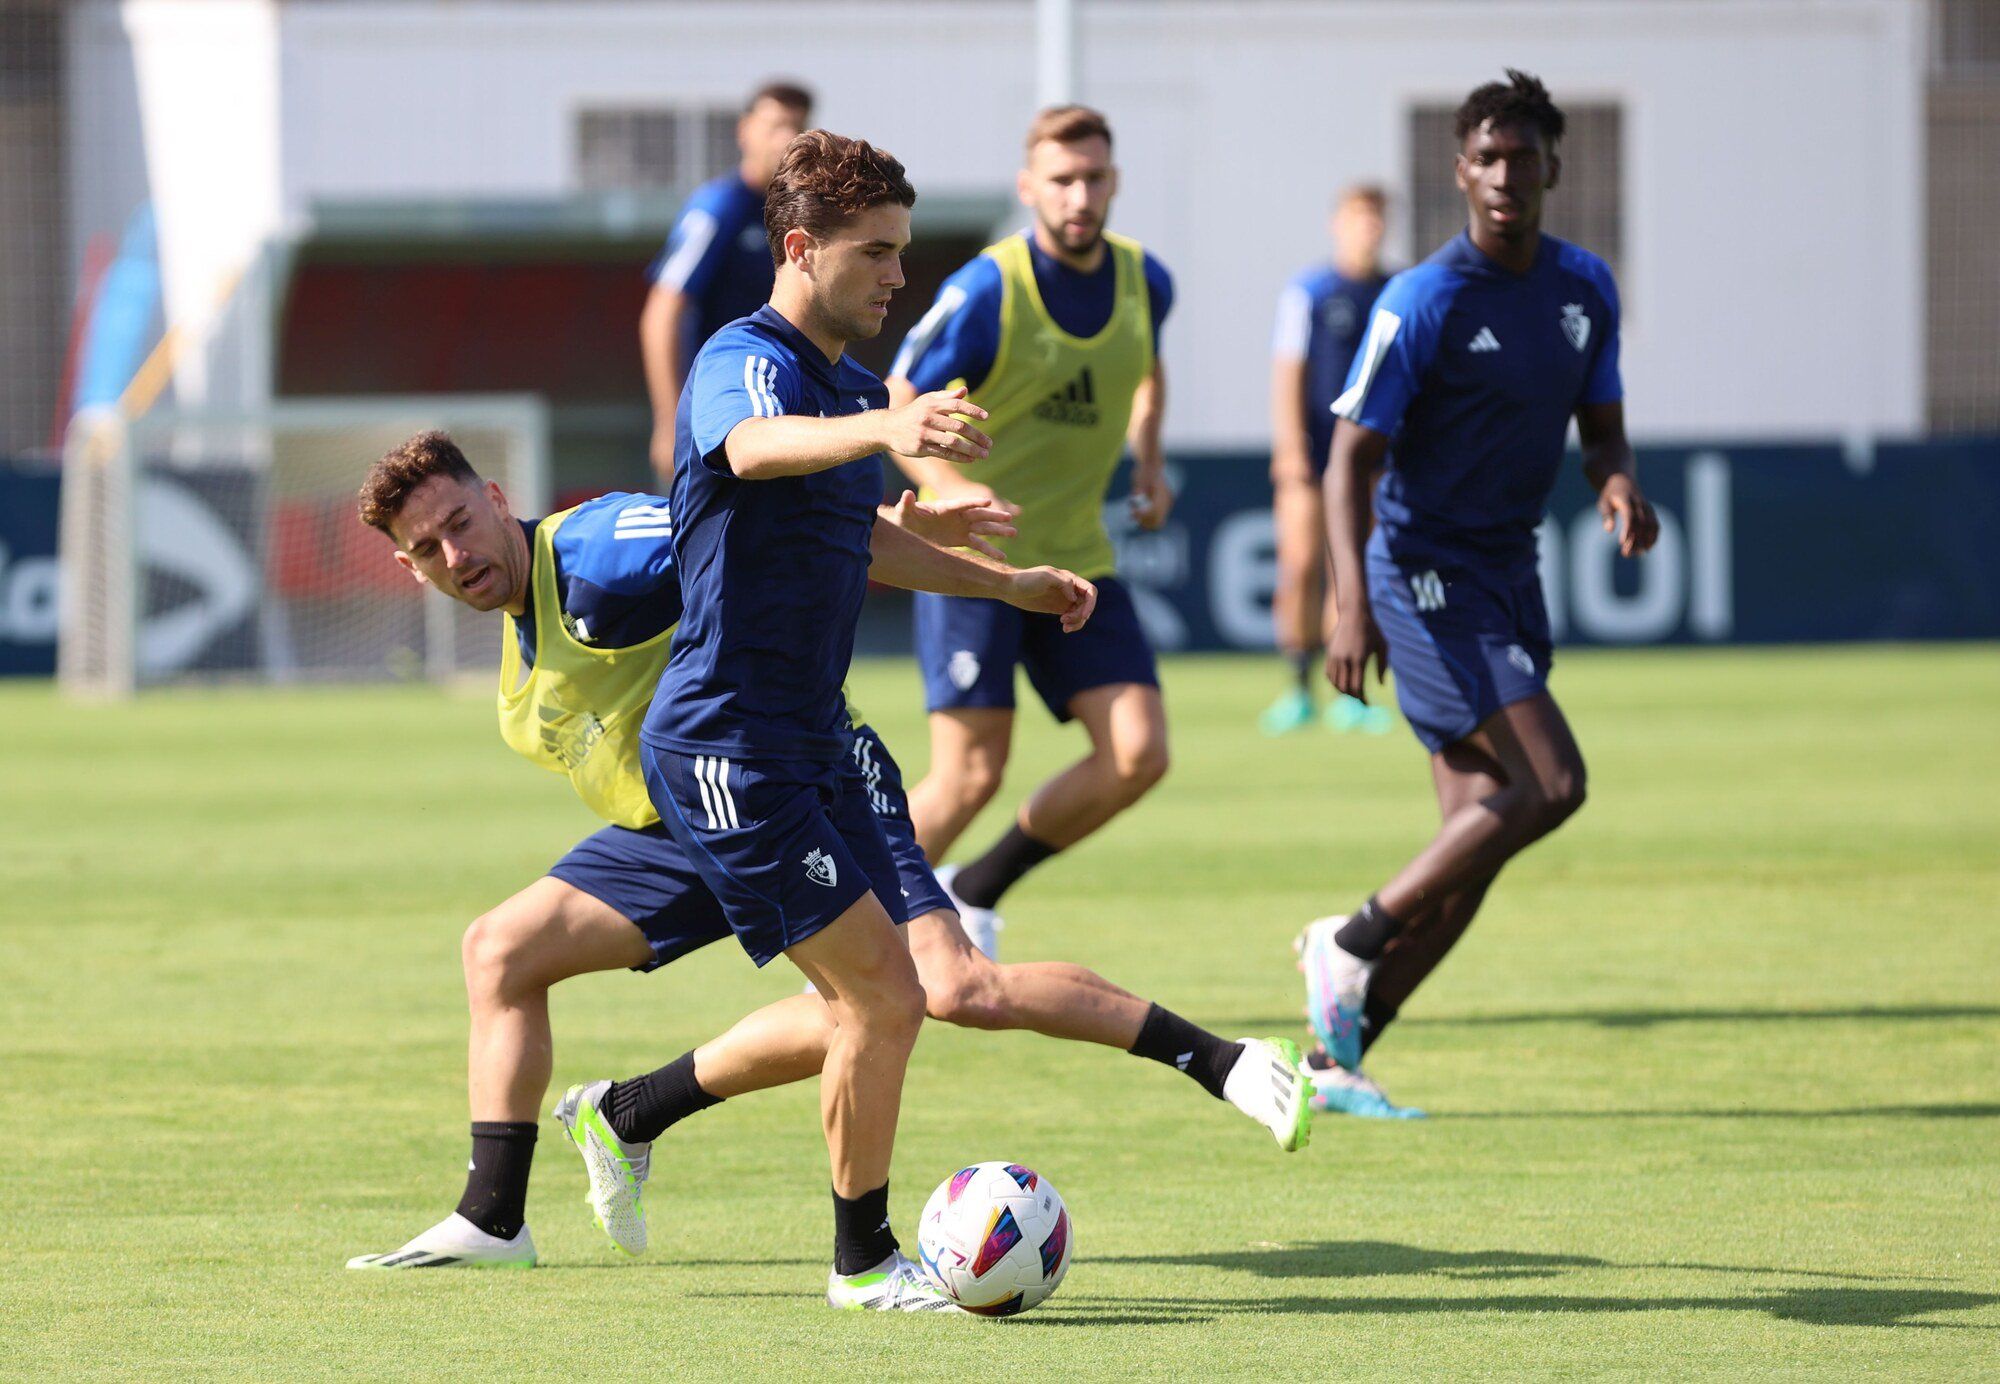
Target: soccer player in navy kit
(779,471)
(1321,315)
(716,265)
(1474,363)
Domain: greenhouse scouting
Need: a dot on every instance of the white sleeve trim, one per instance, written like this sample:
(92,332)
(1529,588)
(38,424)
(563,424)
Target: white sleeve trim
(1382,329)
(697,231)
(919,340)
(1291,338)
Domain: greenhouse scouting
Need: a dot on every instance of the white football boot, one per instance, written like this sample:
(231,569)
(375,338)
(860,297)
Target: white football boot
(617,1170)
(1265,1083)
(982,925)
(894,1285)
(1336,987)
(455,1243)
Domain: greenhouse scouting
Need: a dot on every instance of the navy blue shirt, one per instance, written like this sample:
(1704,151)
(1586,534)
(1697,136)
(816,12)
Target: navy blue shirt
(719,256)
(772,571)
(1475,372)
(615,579)
(1321,316)
(959,337)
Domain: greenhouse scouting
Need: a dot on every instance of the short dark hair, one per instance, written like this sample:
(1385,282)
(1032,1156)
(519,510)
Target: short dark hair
(389,482)
(1520,100)
(1374,194)
(790,95)
(824,179)
(1068,125)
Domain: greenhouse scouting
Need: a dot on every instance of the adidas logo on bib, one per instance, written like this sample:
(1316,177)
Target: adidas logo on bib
(1075,404)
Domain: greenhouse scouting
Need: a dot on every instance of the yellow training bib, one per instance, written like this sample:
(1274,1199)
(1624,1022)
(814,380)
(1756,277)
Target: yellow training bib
(1059,407)
(578,710)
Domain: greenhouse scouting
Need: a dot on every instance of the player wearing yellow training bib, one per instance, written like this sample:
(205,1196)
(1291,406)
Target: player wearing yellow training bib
(1055,333)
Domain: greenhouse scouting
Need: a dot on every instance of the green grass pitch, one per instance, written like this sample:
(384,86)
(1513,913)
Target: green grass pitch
(1714,1081)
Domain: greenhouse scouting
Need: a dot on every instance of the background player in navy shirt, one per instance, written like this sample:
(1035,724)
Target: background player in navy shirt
(1474,363)
(1321,316)
(716,266)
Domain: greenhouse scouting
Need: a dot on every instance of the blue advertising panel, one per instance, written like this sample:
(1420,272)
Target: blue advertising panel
(27,572)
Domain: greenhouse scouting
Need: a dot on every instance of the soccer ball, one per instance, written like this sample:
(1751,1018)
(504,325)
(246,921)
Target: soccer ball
(995,1238)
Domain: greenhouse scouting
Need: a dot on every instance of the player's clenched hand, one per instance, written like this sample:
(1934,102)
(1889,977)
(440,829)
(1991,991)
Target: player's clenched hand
(1052,591)
(966,521)
(1152,497)
(1628,514)
(937,424)
(1354,641)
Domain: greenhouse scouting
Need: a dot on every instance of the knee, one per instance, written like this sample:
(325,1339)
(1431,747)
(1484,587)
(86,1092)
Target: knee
(889,1007)
(495,958)
(967,996)
(977,775)
(1139,765)
(1555,801)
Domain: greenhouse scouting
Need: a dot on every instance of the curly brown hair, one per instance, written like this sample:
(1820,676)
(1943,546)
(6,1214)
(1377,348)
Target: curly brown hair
(824,179)
(387,486)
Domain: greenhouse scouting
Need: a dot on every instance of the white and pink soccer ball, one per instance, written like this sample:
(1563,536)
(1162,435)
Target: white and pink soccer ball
(995,1238)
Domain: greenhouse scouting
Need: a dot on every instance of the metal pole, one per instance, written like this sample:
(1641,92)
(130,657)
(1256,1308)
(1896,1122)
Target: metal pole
(1057,73)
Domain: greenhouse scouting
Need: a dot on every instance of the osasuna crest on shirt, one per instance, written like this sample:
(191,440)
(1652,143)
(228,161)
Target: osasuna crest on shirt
(1575,325)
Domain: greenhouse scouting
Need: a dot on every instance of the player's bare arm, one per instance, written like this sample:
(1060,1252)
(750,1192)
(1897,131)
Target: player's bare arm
(660,351)
(1613,472)
(965,522)
(1152,497)
(938,424)
(900,558)
(1357,453)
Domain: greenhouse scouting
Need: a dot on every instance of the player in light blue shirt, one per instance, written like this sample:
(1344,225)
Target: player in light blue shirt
(1321,316)
(716,264)
(1474,364)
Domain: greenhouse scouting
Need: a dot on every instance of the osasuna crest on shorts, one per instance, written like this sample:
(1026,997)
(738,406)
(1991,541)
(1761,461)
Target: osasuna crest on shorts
(821,869)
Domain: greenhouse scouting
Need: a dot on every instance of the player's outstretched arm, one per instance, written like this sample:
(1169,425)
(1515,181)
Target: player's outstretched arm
(660,353)
(938,424)
(1357,452)
(900,558)
(1613,472)
(966,522)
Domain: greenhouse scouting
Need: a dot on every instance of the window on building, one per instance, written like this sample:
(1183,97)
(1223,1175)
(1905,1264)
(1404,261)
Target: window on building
(660,147)
(1966,37)
(1588,207)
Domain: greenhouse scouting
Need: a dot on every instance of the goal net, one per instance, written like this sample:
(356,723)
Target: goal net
(201,547)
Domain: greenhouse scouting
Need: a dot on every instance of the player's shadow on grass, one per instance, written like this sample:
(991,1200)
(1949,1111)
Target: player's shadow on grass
(1653,1018)
(1382,1258)
(1963,1110)
(1877,1307)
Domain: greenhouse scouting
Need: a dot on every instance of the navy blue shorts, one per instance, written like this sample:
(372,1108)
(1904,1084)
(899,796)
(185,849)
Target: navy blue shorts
(967,647)
(785,845)
(645,875)
(1462,644)
(879,779)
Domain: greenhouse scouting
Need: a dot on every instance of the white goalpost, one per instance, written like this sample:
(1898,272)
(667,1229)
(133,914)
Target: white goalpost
(202,547)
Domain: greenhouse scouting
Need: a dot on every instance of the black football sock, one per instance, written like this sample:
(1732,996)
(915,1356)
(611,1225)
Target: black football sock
(1368,931)
(983,881)
(642,1109)
(861,1235)
(1167,1037)
(1304,663)
(1376,1015)
(496,1186)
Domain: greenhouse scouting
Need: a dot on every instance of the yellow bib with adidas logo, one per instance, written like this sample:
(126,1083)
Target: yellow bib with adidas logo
(578,710)
(1059,407)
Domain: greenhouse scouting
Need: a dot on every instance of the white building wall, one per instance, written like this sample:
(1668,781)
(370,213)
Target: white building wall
(1773,161)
